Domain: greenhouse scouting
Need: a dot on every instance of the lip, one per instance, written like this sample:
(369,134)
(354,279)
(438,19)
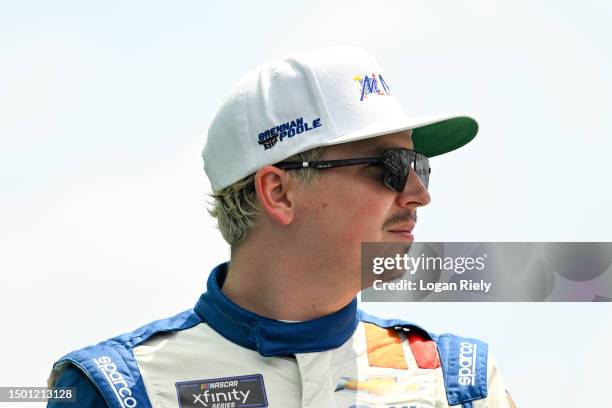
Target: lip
(403,236)
(404,232)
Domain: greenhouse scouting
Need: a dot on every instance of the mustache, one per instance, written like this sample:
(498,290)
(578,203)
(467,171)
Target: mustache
(400,218)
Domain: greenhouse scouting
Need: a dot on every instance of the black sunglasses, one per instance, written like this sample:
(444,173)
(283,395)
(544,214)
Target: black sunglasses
(396,162)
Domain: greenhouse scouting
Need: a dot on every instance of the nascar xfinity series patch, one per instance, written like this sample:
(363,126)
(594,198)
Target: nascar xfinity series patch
(228,392)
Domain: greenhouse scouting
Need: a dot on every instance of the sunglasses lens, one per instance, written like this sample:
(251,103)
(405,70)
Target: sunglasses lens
(422,169)
(397,163)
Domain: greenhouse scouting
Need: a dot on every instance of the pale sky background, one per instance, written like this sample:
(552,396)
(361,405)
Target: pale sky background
(104,108)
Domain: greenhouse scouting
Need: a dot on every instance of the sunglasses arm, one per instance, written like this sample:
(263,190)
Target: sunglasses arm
(327,164)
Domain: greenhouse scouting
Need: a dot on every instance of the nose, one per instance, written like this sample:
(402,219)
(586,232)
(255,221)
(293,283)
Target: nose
(415,194)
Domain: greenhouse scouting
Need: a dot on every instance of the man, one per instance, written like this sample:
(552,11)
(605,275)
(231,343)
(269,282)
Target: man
(309,156)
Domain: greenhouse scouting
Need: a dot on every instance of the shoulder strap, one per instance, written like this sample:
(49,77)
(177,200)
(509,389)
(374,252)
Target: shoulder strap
(112,369)
(390,323)
(111,366)
(464,365)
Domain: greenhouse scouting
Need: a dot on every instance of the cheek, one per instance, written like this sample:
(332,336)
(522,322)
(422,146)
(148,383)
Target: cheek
(352,214)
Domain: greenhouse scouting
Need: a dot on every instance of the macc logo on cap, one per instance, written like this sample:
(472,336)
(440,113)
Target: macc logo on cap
(369,85)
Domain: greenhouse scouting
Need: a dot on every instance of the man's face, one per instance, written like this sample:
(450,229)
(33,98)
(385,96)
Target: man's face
(351,205)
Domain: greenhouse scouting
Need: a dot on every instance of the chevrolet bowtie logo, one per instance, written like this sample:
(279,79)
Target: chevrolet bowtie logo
(380,385)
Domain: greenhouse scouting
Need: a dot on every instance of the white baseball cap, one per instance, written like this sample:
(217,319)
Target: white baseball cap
(319,98)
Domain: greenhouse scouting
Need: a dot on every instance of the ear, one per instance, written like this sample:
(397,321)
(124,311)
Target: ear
(272,186)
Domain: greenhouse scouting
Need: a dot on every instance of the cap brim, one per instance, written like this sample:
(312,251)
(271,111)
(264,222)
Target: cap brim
(431,135)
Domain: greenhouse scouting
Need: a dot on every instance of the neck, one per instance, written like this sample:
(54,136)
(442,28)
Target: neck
(282,284)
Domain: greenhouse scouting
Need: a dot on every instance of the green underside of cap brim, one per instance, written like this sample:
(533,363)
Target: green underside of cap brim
(445,136)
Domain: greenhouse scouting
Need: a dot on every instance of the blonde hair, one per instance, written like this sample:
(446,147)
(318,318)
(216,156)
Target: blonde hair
(236,207)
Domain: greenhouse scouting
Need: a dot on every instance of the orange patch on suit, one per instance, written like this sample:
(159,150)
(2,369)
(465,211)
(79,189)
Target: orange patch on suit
(384,347)
(424,351)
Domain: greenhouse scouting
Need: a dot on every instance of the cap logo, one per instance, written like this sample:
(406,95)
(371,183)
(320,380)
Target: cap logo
(371,85)
(278,133)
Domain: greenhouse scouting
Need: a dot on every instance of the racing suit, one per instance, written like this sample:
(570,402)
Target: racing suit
(219,355)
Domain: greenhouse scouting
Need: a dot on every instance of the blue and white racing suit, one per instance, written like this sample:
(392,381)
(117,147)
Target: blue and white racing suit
(219,355)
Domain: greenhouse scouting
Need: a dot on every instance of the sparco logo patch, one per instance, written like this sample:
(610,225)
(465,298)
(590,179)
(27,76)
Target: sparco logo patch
(467,363)
(117,381)
(228,392)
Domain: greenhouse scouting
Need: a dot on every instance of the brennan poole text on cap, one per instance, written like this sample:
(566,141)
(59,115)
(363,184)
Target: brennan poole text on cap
(271,136)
